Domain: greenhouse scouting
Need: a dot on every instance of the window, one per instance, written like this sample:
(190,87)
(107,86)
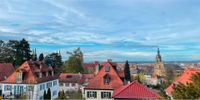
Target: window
(54,83)
(49,84)
(106,79)
(67,84)
(69,76)
(91,94)
(8,88)
(107,68)
(54,93)
(31,88)
(73,84)
(41,87)
(105,95)
(61,84)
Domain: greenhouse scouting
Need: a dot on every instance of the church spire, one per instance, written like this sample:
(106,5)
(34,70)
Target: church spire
(158,56)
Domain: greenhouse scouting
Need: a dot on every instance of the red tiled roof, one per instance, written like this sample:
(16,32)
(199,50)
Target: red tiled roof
(31,71)
(184,78)
(75,78)
(71,78)
(98,82)
(6,69)
(135,90)
(90,66)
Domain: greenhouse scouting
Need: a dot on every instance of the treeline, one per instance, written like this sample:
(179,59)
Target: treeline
(18,51)
(15,52)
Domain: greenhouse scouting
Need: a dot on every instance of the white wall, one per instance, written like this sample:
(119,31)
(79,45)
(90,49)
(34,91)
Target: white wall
(37,93)
(70,87)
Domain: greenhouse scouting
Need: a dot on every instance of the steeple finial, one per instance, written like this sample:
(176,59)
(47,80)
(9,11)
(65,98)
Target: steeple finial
(158,51)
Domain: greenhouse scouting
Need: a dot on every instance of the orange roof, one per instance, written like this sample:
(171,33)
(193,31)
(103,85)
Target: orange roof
(75,78)
(98,81)
(134,90)
(31,70)
(6,69)
(71,78)
(184,78)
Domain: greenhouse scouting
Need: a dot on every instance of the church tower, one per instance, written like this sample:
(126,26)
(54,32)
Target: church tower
(159,70)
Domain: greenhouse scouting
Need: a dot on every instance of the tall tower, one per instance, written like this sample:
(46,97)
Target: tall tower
(159,70)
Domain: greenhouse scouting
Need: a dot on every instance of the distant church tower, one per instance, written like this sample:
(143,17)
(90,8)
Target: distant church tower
(159,70)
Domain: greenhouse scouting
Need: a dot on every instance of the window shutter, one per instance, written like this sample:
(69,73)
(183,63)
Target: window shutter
(88,94)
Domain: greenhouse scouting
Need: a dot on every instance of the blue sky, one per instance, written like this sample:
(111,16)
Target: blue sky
(117,29)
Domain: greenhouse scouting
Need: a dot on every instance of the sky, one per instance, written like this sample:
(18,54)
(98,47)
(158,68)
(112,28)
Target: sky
(106,29)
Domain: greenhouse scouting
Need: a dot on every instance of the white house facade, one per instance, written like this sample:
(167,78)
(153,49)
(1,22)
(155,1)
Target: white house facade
(31,79)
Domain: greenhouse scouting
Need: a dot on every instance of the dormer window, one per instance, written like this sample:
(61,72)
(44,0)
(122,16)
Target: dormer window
(106,79)
(40,66)
(47,74)
(107,69)
(52,73)
(40,75)
(19,77)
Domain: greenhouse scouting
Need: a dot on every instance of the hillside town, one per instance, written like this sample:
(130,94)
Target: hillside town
(48,77)
(99,50)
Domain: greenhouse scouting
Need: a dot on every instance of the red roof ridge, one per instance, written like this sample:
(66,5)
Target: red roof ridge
(123,88)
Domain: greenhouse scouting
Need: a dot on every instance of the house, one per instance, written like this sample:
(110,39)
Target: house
(91,67)
(73,82)
(6,69)
(134,90)
(32,78)
(70,81)
(104,83)
(183,78)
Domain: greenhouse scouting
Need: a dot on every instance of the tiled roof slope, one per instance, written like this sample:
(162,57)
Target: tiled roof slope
(184,78)
(6,69)
(135,90)
(98,81)
(31,70)
(75,78)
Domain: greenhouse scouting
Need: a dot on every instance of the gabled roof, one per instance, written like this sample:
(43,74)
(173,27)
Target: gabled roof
(31,70)
(184,78)
(6,69)
(98,81)
(134,90)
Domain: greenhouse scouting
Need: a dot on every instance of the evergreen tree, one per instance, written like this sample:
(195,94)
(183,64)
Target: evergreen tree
(54,60)
(23,52)
(48,94)
(45,95)
(127,72)
(8,51)
(41,57)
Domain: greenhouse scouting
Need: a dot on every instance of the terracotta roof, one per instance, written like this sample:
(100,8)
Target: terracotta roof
(71,78)
(184,78)
(98,81)
(31,70)
(90,66)
(6,69)
(75,78)
(135,90)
